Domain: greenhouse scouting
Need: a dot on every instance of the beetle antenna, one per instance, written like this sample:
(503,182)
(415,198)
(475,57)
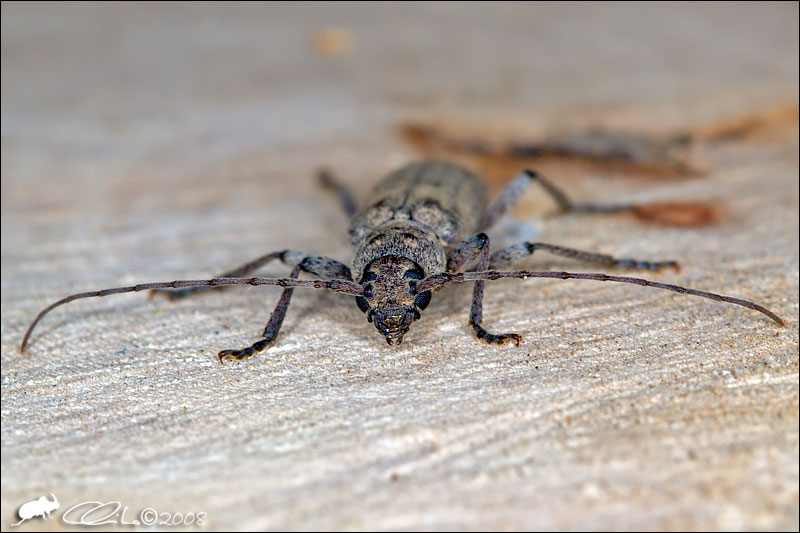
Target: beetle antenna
(336,285)
(438,280)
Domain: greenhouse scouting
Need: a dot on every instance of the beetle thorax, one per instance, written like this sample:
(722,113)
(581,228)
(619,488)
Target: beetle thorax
(407,239)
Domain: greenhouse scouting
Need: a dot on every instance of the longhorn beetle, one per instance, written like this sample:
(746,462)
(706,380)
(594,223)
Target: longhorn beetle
(422,228)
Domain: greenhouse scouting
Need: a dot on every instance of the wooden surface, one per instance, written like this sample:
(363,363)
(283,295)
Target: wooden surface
(149,143)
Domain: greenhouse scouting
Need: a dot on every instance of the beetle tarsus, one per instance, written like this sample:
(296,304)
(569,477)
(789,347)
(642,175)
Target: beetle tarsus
(245,353)
(491,338)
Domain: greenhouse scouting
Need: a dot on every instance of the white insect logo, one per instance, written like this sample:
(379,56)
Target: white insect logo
(41,507)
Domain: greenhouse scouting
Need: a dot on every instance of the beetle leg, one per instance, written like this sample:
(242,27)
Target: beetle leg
(463,255)
(288,257)
(237,272)
(320,266)
(510,255)
(329,182)
(519,185)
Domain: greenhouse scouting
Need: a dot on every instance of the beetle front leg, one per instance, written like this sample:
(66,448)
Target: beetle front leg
(465,253)
(322,267)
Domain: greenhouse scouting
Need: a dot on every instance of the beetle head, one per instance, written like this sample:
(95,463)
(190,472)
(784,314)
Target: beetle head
(390,298)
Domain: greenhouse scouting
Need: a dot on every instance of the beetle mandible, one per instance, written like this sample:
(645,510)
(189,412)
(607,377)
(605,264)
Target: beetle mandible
(422,228)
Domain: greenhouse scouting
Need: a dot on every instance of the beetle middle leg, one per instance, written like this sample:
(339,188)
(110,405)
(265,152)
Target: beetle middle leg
(320,266)
(237,272)
(462,256)
(327,181)
(506,257)
(328,267)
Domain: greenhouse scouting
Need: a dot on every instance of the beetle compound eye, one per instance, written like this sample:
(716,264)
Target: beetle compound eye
(362,304)
(414,273)
(423,299)
(369,276)
(368,292)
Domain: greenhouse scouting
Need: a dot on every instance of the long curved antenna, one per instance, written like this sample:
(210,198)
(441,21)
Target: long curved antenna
(439,280)
(336,285)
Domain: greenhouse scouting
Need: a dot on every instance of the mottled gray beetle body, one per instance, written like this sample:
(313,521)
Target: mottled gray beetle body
(413,217)
(421,229)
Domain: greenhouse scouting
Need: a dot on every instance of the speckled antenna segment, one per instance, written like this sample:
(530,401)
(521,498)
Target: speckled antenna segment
(436,204)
